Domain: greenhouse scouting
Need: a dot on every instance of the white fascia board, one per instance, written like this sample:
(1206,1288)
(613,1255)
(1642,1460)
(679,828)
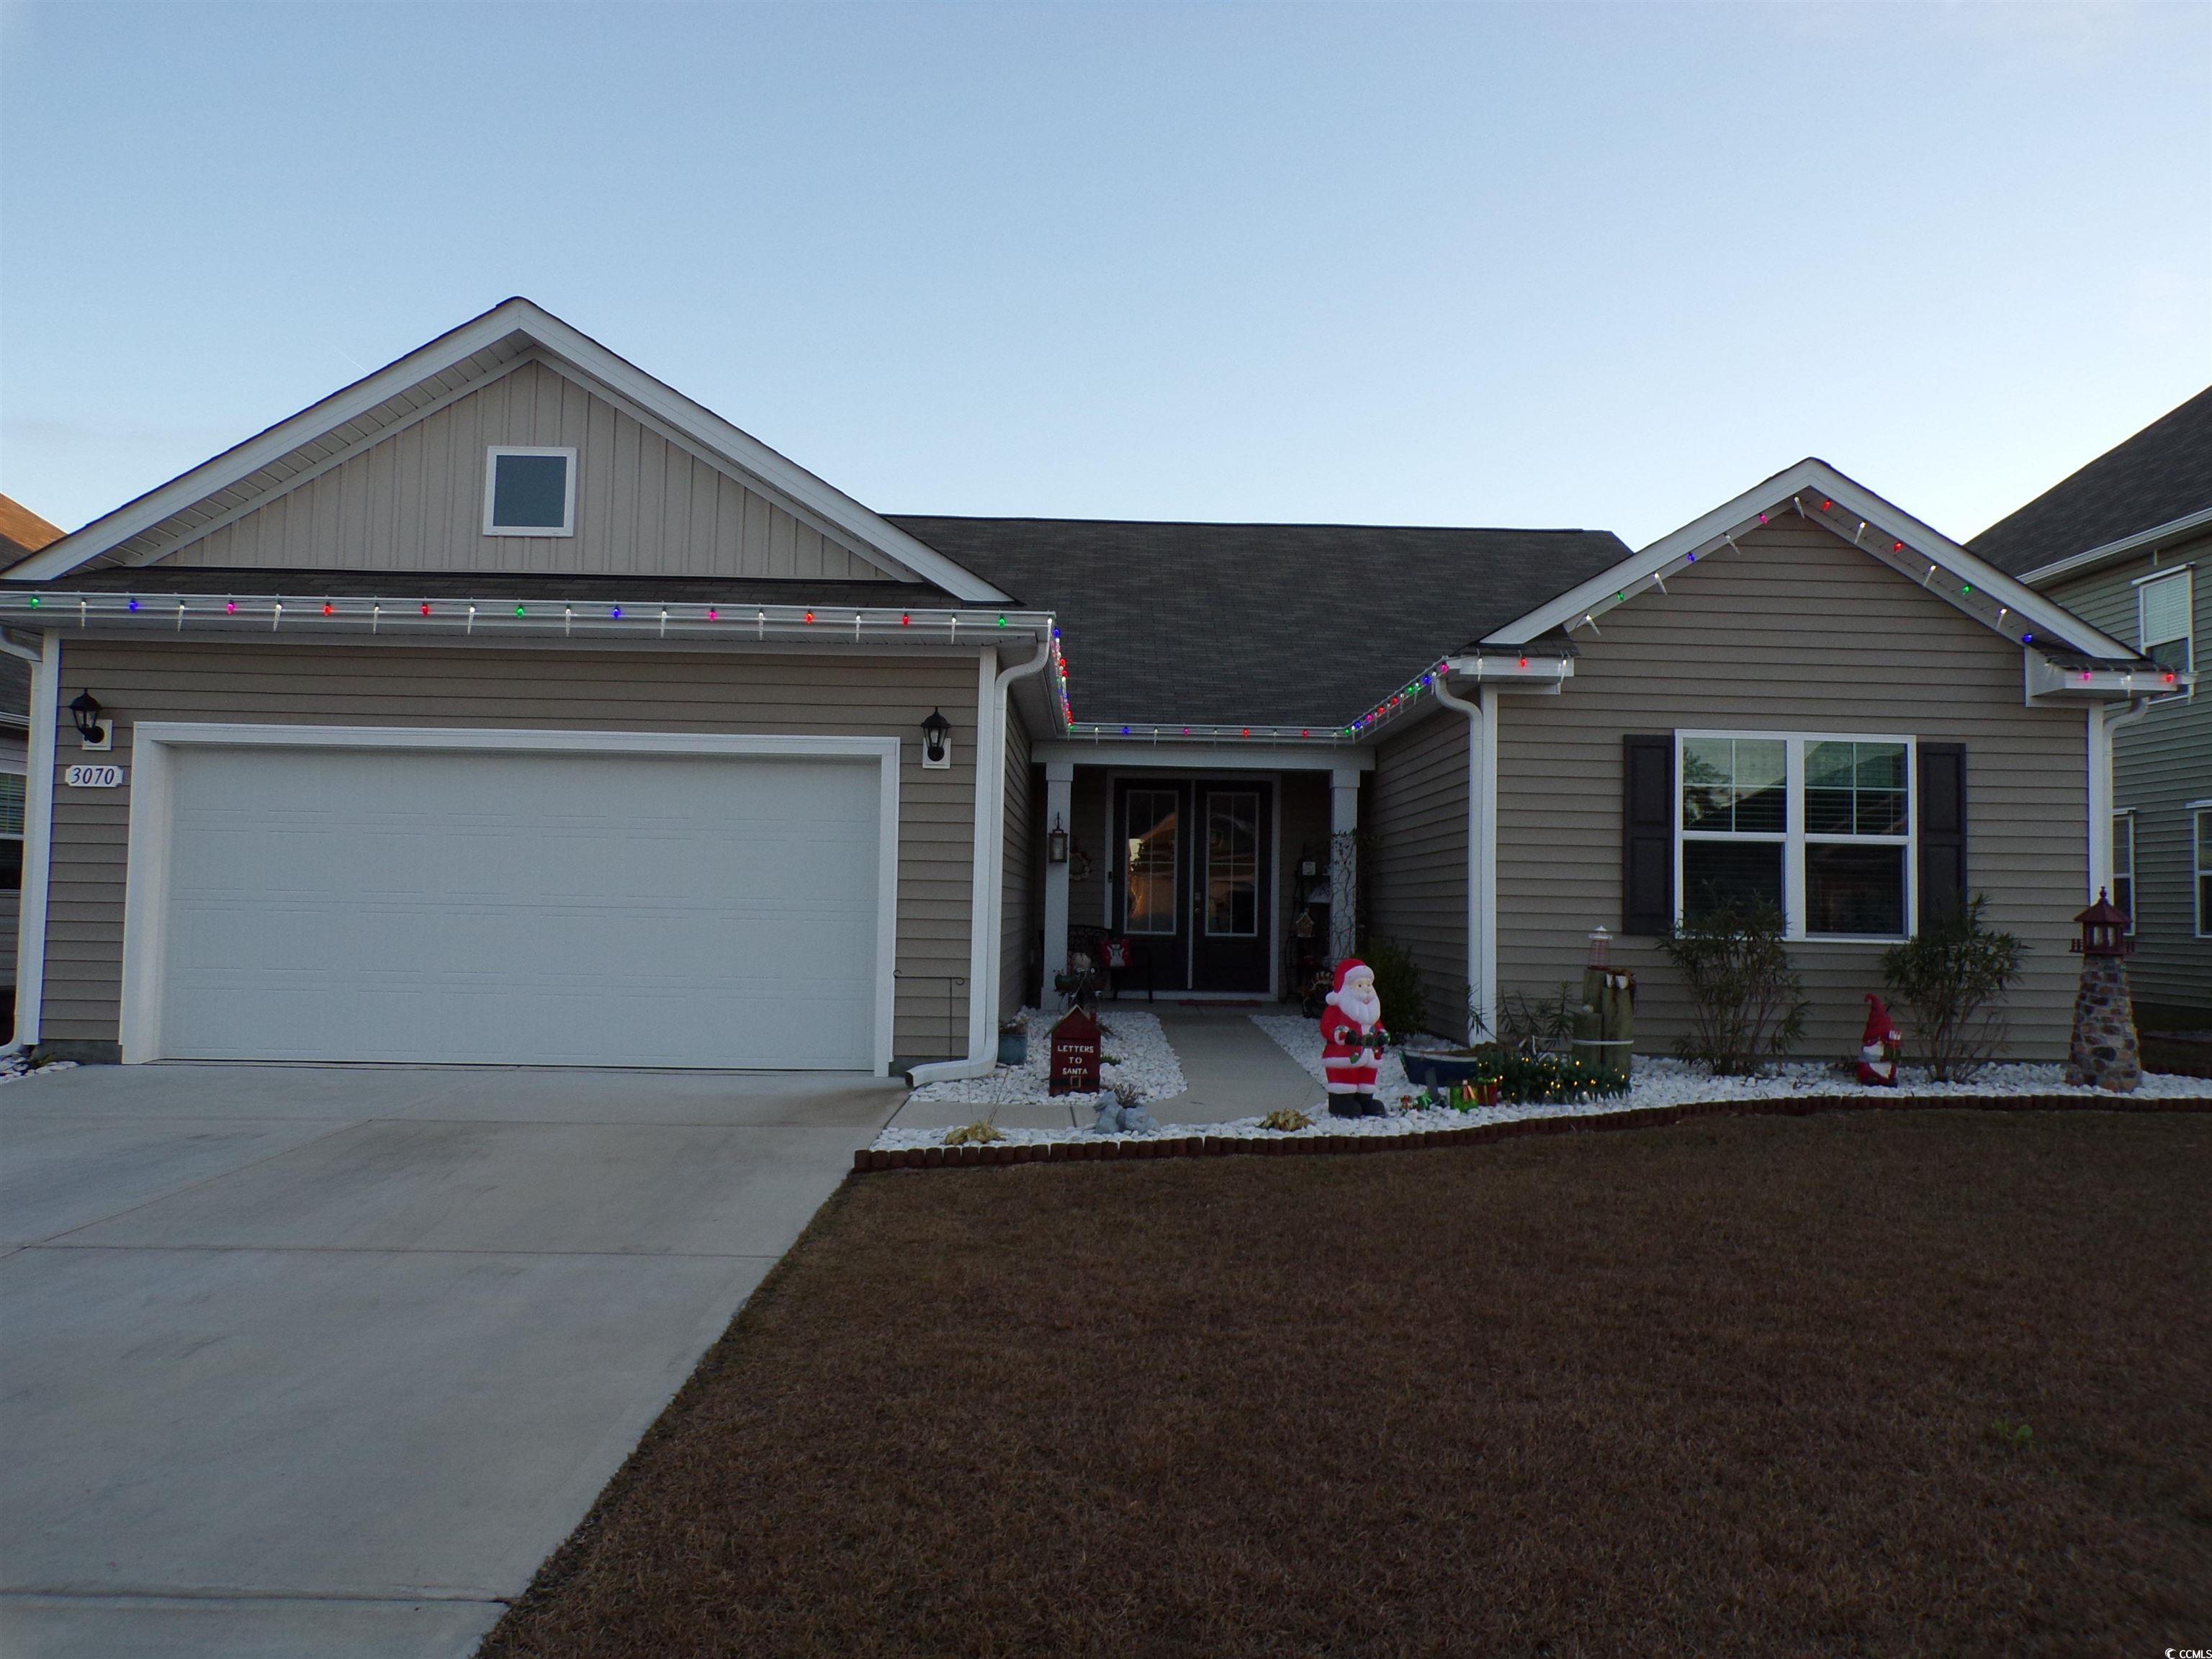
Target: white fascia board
(514,316)
(2075,565)
(243,460)
(1136,754)
(2049,681)
(1715,530)
(1527,674)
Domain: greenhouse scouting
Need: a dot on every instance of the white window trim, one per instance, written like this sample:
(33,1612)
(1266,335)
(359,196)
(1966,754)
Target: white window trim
(491,478)
(155,744)
(2127,815)
(1794,839)
(2186,575)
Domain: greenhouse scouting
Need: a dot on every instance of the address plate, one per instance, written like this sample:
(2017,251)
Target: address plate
(93,777)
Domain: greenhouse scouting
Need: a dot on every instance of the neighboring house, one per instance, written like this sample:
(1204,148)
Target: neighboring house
(508,705)
(2126,543)
(22,533)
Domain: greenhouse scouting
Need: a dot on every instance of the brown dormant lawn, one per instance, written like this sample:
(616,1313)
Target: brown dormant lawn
(1909,1383)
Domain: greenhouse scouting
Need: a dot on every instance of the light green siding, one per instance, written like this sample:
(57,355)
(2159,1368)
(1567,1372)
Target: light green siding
(2160,765)
(1415,851)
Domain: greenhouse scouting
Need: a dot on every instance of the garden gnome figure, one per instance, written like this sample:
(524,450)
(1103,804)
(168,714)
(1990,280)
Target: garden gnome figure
(1880,1045)
(1351,1038)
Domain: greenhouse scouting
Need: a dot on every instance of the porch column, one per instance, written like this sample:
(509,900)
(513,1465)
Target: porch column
(1059,811)
(1343,863)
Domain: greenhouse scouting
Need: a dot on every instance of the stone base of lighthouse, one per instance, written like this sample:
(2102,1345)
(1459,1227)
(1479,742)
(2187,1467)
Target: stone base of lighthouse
(2105,1052)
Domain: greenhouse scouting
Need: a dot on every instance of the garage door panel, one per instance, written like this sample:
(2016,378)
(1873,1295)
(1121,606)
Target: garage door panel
(520,909)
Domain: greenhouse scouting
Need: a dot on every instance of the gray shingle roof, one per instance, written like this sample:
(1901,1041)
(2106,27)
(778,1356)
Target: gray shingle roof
(1279,624)
(2162,473)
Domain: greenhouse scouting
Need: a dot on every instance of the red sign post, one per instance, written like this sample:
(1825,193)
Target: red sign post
(1075,1054)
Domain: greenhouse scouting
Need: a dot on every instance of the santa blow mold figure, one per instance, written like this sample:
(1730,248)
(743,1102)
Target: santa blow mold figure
(1351,1038)
(1878,1046)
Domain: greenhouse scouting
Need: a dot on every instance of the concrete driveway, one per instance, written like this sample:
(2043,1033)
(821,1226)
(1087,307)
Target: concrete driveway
(322,1360)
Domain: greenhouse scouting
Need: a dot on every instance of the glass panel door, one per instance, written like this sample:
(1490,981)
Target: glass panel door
(1234,948)
(1154,827)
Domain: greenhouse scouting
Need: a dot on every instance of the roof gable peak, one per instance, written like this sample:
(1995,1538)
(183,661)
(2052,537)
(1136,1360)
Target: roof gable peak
(488,344)
(1884,531)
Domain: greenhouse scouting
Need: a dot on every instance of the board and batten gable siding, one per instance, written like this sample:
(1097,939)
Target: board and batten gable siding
(1801,634)
(1414,811)
(413,499)
(1022,876)
(582,690)
(2160,764)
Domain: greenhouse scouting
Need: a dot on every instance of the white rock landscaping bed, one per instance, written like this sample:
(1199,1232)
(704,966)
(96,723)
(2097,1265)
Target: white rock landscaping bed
(1133,1047)
(14,1068)
(1657,1083)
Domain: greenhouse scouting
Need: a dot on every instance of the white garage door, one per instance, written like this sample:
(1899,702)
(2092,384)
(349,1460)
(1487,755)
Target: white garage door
(565,908)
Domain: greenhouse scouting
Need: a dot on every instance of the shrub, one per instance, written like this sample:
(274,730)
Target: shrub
(979,1133)
(1746,1003)
(1524,1078)
(1530,1024)
(1286,1120)
(1951,978)
(1398,982)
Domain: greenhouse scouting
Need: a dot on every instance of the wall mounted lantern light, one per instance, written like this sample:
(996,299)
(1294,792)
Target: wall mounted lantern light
(936,741)
(85,710)
(1056,843)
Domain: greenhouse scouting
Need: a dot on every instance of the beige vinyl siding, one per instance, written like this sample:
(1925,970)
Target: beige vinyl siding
(1800,634)
(1022,880)
(413,499)
(2160,764)
(588,690)
(1414,811)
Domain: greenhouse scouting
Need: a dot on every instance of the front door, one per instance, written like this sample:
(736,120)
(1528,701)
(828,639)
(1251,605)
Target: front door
(1192,875)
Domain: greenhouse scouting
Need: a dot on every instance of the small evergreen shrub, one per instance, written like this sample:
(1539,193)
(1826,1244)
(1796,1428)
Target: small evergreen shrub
(1746,1003)
(1398,982)
(1951,978)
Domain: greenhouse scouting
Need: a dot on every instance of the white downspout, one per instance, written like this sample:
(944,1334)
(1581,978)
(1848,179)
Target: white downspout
(1482,855)
(2102,724)
(985,958)
(37,835)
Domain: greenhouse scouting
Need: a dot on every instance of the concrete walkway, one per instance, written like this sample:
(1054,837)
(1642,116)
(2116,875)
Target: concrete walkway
(1233,1068)
(1230,1069)
(319,1360)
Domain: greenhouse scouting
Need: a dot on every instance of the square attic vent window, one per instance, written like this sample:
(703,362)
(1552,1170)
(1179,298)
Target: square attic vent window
(530,492)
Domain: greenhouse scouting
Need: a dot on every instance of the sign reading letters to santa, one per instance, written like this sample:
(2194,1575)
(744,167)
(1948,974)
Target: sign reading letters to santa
(1075,1055)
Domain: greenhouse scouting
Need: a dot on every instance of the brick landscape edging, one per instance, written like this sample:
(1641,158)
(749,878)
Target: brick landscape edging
(870,1159)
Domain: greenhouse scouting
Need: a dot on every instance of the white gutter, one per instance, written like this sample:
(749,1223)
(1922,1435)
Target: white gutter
(2156,534)
(986,961)
(1481,856)
(37,835)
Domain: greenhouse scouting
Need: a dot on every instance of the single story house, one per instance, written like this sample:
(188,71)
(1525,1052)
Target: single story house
(2126,543)
(507,706)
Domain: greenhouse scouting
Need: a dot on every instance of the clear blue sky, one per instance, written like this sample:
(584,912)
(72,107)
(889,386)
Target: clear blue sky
(1544,265)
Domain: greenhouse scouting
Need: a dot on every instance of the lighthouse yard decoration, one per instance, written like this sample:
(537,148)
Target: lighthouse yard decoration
(2104,1052)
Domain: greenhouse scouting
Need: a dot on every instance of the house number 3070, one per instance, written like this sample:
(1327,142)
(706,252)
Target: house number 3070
(93,777)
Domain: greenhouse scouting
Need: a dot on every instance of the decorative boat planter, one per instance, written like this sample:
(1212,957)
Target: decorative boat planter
(1442,1071)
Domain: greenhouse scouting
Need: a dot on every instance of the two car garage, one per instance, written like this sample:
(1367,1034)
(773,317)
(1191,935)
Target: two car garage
(432,895)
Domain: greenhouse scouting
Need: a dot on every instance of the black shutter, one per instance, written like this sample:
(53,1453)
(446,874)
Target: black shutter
(1647,835)
(1942,808)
